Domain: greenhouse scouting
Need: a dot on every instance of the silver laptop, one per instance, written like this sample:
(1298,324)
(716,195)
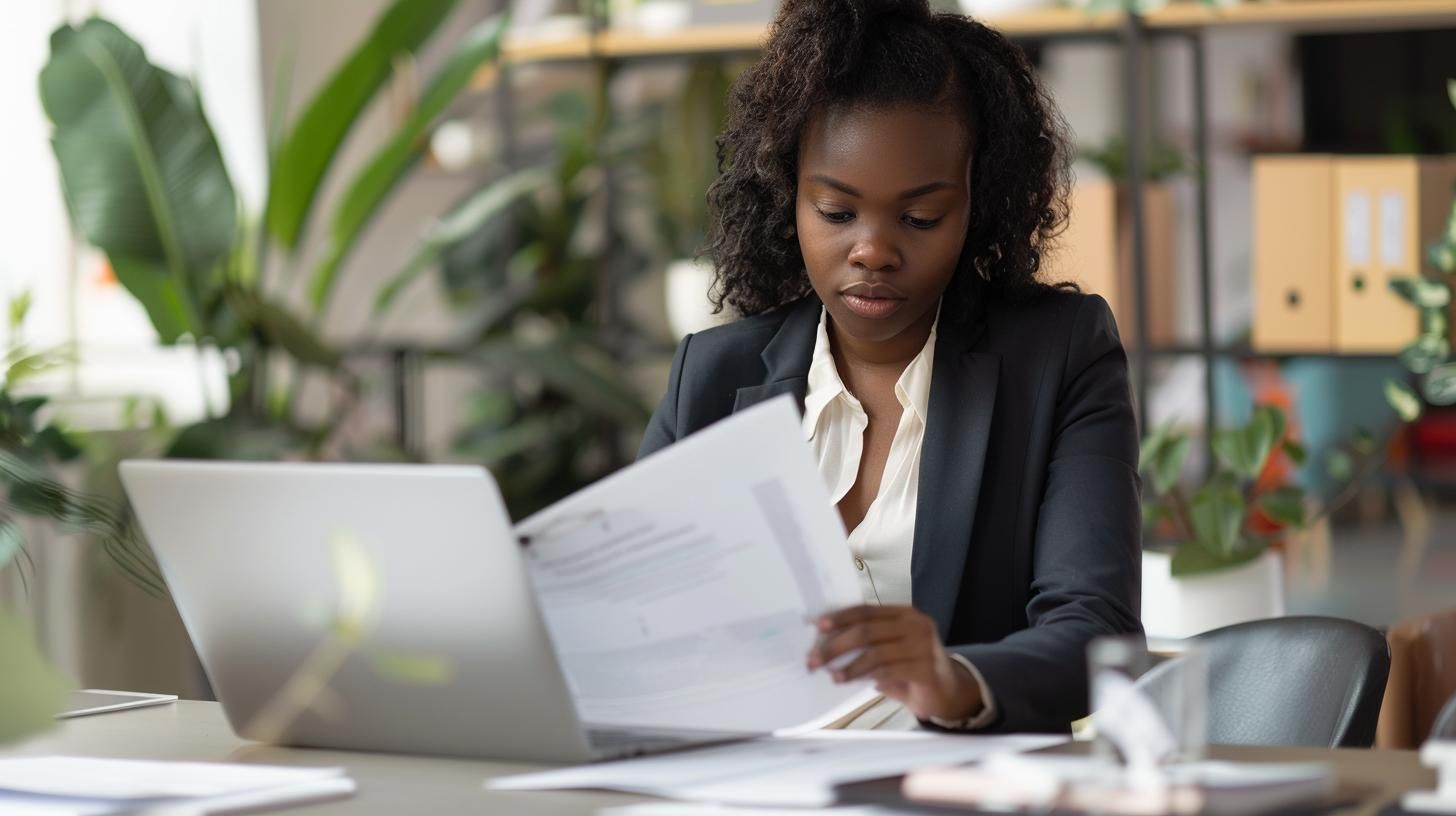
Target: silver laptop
(274,566)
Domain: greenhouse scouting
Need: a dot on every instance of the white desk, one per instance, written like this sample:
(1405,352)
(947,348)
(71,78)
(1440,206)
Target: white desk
(388,783)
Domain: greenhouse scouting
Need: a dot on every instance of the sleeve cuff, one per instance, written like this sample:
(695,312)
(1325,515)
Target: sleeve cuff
(981,718)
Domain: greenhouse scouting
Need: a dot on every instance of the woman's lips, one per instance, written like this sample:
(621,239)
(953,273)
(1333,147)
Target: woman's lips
(871,307)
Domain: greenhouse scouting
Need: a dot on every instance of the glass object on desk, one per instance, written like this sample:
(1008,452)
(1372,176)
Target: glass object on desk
(1149,699)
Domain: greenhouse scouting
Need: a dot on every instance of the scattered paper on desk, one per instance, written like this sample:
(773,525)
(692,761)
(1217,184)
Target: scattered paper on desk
(82,785)
(799,771)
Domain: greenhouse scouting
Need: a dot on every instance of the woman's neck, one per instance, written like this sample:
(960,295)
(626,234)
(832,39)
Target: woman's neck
(853,355)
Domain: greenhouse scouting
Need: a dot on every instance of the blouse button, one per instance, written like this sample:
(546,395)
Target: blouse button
(859,564)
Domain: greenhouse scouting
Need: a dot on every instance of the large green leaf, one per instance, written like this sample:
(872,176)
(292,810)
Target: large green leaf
(1162,456)
(1245,450)
(1218,515)
(140,169)
(165,298)
(31,690)
(313,143)
(473,214)
(367,191)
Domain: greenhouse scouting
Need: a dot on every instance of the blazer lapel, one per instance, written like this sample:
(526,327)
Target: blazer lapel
(962,401)
(786,358)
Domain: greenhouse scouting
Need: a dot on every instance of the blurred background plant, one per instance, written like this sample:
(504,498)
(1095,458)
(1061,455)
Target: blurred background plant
(1232,516)
(145,183)
(31,446)
(524,255)
(1163,160)
(1429,357)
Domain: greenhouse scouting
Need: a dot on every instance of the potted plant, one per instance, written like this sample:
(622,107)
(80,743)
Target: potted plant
(145,182)
(1220,568)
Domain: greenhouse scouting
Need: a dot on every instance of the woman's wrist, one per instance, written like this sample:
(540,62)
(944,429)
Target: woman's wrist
(965,700)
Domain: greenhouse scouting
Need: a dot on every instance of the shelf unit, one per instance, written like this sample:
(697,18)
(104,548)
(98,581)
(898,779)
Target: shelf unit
(1303,15)
(1182,19)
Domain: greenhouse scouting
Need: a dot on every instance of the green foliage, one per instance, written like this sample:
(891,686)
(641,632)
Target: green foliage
(557,404)
(311,148)
(1429,356)
(1245,450)
(682,161)
(145,183)
(1163,160)
(1215,525)
(31,690)
(379,177)
(142,175)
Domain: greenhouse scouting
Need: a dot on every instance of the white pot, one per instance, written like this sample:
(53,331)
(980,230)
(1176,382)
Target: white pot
(688,307)
(1183,607)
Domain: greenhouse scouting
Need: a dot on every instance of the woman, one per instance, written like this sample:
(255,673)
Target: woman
(890,179)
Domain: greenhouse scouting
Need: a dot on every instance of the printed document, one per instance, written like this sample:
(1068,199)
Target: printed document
(681,592)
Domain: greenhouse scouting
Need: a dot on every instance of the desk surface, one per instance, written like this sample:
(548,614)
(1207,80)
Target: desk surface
(394,784)
(388,783)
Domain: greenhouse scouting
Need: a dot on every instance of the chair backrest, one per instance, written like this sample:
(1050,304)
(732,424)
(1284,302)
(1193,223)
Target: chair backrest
(1295,681)
(1445,727)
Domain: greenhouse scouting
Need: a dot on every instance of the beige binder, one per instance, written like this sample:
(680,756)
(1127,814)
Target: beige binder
(1294,242)
(1095,251)
(1387,210)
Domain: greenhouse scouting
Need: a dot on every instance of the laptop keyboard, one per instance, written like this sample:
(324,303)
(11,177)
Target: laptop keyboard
(626,742)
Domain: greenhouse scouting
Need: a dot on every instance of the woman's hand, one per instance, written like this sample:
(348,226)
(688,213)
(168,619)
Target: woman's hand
(900,650)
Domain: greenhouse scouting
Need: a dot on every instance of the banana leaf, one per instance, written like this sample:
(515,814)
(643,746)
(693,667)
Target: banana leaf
(313,143)
(141,172)
(368,190)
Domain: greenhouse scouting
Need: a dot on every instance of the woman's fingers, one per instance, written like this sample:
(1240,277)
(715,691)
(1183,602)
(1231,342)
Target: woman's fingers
(858,636)
(879,656)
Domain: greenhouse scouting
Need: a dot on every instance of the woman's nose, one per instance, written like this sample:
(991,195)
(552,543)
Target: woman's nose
(875,250)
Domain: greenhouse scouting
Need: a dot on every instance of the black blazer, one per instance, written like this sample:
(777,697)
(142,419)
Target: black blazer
(1028,522)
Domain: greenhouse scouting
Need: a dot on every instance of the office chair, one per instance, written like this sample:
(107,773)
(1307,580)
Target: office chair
(1295,681)
(1445,727)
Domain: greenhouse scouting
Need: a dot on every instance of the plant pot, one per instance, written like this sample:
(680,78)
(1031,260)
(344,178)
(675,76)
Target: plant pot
(1179,607)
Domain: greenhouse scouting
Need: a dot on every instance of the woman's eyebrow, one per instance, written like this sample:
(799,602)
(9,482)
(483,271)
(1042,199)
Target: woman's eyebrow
(913,192)
(916,192)
(836,184)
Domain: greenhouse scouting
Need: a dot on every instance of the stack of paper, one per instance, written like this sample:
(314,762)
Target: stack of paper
(47,786)
(798,771)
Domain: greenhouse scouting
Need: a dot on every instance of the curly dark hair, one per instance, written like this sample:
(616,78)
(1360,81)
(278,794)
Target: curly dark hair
(828,53)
